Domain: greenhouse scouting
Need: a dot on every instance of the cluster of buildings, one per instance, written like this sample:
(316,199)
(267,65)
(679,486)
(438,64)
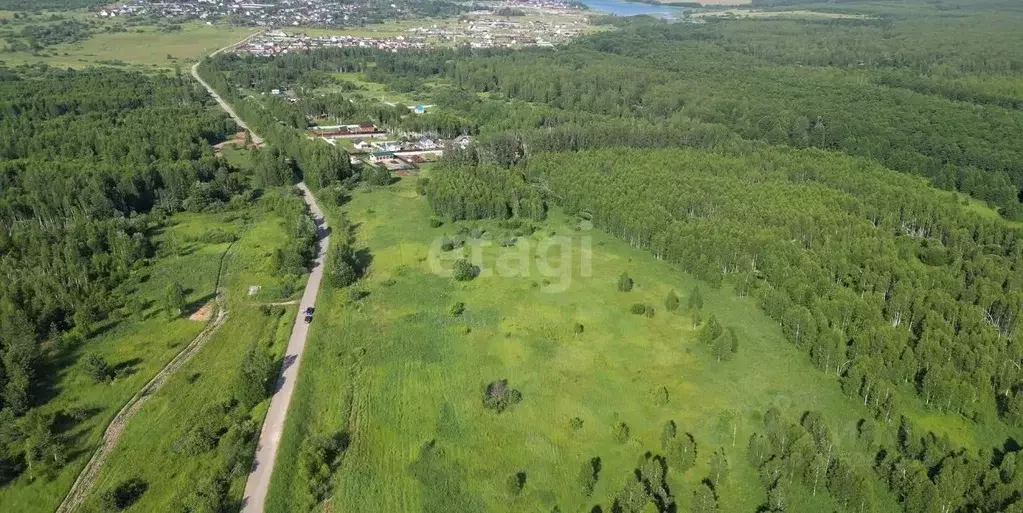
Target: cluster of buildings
(549,22)
(477,32)
(401,156)
(347,131)
(278,42)
(495,32)
(273,13)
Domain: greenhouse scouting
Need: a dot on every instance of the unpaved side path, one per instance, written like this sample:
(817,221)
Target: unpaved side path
(87,478)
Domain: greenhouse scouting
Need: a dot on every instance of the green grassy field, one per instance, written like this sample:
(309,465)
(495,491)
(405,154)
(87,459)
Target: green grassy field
(139,344)
(145,449)
(396,370)
(375,90)
(145,48)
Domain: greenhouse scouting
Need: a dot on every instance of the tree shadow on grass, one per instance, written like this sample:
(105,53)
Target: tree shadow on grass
(363,259)
(67,419)
(127,367)
(194,306)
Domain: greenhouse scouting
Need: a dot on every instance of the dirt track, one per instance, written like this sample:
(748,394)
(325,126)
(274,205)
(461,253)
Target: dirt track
(87,478)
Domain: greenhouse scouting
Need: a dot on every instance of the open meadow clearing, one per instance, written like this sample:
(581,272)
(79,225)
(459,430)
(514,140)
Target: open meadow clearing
(392,366)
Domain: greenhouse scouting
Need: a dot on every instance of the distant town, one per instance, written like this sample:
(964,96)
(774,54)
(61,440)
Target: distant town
(333,13)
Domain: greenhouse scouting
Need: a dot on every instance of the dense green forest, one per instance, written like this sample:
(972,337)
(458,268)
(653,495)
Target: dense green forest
(900,111)
(92,163)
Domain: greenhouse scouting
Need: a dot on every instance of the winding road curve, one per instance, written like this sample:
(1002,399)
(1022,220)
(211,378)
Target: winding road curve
(273,426)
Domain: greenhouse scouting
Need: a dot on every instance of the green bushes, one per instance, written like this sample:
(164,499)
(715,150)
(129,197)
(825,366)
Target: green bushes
(456,309)
(624,283)
(320,457)
(97,368)
(642,309)
(588,476)
(207,429)
(464,270)
(123,495)
(679,448)
(378,176)
(695,301)
(515,483)
(342,266)
(671,301)
(254,375)
(498,396)
(620,433)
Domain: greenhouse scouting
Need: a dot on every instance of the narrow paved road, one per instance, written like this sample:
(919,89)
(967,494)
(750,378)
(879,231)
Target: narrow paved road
(223,104)
(273,426)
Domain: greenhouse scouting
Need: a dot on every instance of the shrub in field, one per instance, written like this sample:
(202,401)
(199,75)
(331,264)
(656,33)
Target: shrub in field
(498,396)
(342,271)
(209,496)
(624,283)
(97,368)
(620,432)
(589,475)
(421,185)
(456,309)
(435,222)
(679,448)
(379,176)
(464,270)
(695,299)
(642,309)
(578,328)
(319,459)
(711,331)
(576,423)
(671,301)
(661,396)
(515,483)
(253,378)
(123,495)
(704,500)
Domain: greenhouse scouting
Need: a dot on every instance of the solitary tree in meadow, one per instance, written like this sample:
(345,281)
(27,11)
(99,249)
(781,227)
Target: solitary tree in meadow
(695,299)
(624,283)
(174,300)
(671,301)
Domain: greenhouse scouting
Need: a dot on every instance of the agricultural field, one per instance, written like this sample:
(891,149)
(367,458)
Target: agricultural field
(136,345)
(144,48)
(391,365)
